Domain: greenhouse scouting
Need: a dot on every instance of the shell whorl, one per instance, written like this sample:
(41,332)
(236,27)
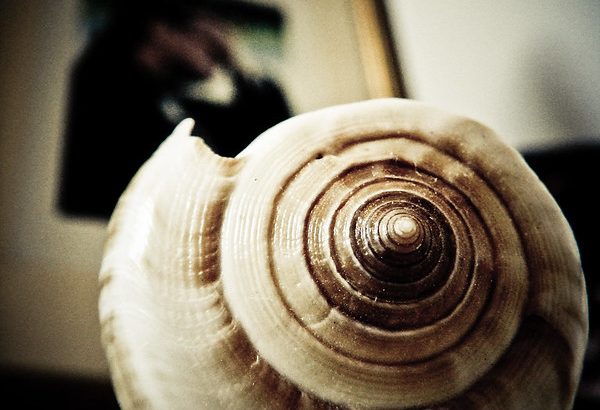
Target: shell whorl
(381,254)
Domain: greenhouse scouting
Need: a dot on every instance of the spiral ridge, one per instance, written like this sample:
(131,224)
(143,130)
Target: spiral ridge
(383,254)
(417,295)
(389,251)
(391,259)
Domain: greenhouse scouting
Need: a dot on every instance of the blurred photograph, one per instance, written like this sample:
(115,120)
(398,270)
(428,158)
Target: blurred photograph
(150,64)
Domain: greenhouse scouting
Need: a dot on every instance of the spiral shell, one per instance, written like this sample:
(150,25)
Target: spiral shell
(382,254)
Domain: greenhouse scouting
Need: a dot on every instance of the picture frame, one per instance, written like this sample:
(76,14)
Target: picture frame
(376,43)
(224,64)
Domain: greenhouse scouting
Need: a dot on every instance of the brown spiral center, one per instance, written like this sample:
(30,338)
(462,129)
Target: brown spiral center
(392,238)
(398,237)
(394,250)
(403,231)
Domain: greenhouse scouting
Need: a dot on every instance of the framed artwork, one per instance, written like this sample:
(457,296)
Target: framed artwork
(229,65)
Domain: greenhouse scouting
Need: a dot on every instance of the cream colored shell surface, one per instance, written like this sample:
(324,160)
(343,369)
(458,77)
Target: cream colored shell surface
(382,254)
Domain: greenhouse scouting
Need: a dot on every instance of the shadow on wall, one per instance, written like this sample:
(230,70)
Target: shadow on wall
(567,171)
(39,390)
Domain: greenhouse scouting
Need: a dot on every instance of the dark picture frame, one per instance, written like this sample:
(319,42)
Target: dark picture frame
(147,68)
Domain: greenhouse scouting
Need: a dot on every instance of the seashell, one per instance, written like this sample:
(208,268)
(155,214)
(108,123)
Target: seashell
(382,254)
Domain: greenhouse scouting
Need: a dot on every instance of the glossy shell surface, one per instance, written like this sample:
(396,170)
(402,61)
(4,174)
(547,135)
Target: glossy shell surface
(382,254)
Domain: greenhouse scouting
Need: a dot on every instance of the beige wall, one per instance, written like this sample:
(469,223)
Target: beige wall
(529,69)
(49,263)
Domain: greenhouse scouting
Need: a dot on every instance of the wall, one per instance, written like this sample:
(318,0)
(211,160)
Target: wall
(48,262)
(529,69)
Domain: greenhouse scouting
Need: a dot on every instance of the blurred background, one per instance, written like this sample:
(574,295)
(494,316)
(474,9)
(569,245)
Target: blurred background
(89,88)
